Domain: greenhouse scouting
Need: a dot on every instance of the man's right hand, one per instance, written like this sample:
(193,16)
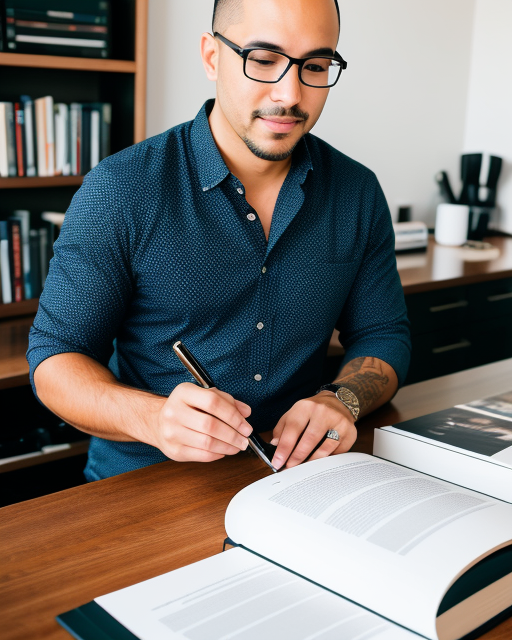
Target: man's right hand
(202,425)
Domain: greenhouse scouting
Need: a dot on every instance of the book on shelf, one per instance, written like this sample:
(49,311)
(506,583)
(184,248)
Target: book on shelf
(348,546)
(47,139)
(26,248)
(78,28)
(8,166)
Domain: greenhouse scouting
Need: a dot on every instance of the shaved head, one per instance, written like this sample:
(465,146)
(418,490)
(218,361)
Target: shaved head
(228,12)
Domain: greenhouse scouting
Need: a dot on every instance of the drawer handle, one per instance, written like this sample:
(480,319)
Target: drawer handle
(500,296)
(463,344)
(451,305)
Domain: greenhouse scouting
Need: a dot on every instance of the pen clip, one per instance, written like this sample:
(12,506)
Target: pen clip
(198,371)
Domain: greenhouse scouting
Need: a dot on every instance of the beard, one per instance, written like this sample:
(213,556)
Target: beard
(257,150)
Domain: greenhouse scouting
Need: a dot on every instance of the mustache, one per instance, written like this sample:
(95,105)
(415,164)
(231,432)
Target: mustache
(281,112)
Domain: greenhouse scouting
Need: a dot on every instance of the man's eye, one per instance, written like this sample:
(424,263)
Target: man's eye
(264,63)
(315,68)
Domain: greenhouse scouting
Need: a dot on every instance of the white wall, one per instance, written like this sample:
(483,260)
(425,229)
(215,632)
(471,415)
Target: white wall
(489,113)
(399,108)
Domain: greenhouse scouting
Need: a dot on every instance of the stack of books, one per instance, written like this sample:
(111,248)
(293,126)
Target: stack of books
(46,139)
(25,254)
(78,28)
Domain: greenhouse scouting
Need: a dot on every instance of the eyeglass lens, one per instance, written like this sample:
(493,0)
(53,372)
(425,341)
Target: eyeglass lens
(268,66)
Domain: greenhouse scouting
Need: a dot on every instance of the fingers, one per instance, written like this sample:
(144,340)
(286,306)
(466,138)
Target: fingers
(195,420)
(304,426)
(346,441)
(209,428)
(218,404)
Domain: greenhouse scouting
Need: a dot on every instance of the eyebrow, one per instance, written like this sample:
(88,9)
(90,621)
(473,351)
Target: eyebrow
(324,51)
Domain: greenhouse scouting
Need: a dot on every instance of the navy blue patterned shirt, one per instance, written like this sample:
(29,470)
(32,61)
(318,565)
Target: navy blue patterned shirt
(160,244)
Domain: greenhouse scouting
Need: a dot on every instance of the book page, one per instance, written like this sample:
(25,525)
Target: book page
(382,535)
(237,595)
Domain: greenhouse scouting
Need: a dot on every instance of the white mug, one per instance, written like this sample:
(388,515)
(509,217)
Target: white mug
(452,222)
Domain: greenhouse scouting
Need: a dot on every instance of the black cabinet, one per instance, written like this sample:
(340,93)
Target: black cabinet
(459,328)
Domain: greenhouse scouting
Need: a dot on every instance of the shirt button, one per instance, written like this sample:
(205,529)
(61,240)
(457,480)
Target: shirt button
(205,188)
(259,326)
(264,270)
(251,217)
(257,377)
(240,190)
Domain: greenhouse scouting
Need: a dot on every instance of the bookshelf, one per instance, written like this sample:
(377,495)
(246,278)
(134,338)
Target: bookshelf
(120,80)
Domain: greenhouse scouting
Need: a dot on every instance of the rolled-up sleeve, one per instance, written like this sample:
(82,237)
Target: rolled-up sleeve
(89,284)
(374,319)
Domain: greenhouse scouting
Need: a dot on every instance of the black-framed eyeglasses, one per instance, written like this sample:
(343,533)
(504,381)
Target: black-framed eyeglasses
(269,66)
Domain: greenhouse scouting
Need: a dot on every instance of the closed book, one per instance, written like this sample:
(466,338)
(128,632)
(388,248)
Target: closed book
(16,260)
(469,444)
(20,137)
(62,166)
(36,285)
(11,139)
(83,11)
(105,111)
(95,137)
(24,217)
(4,164)
(5,265)
(75,137)
(40,128)
(60,30)
(45,136)
(85,161)
(30,136)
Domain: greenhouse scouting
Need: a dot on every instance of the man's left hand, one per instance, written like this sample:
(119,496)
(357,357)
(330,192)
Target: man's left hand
(302,427)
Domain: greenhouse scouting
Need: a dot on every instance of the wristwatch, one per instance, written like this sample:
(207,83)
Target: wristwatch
(345,396)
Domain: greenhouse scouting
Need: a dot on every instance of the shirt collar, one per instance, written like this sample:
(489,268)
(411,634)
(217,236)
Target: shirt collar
(211,167)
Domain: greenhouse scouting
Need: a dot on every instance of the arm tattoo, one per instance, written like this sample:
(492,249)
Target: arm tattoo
(367,379)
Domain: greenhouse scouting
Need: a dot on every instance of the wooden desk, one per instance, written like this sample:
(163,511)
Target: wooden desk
(63,550)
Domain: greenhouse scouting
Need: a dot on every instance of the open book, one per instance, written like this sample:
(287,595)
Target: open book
(343,548)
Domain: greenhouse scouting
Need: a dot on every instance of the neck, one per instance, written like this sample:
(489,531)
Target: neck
(248,168)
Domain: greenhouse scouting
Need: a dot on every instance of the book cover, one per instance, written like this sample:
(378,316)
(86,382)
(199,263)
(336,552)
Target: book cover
(5,266)
(4,165)
(11,140)
(20,137)
(40,131)
(75,136)
(24,217)
(469,444)
(30,136)
(16,260)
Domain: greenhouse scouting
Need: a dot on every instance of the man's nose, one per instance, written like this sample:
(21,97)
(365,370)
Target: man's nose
(288,91)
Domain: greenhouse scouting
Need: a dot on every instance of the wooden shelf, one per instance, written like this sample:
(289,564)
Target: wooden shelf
(27,183)
(24,308)
(63,62)
(56,452)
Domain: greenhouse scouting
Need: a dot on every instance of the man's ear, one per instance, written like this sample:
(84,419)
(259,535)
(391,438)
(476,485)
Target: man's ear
(209,55)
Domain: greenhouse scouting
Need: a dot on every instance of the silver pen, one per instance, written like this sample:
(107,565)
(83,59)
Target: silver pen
(262,449)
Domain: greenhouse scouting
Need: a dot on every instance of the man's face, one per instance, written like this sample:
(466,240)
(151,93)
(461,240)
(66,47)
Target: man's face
(271,118)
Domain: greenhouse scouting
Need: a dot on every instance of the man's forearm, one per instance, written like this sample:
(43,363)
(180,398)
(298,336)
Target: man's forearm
(373,381)
(86,394)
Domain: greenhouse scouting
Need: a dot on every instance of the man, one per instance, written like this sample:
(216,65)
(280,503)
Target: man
(245,237)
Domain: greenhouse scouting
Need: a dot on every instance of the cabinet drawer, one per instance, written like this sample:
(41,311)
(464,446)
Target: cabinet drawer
(441,352)
(492,340)
(437,309)
(490,299)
